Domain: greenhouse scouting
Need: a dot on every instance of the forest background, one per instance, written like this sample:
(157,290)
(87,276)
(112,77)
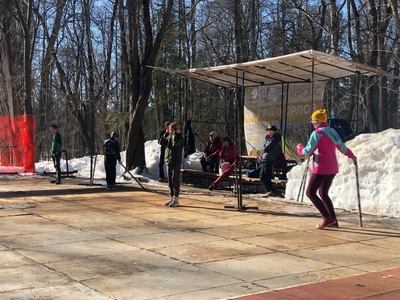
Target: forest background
(83,64)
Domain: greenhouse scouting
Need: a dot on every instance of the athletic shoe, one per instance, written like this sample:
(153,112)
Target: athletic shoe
(267,194)
(336,224)
(170,201)
(58,181)
(327,222)
(162,180)
(174,203)
(53,181)
(211,187)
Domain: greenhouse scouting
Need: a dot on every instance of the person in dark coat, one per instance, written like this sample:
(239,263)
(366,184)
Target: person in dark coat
(271,149)
(211,153)
(190,147)
(111,156)
(56,151)
(280,162)
(162,153)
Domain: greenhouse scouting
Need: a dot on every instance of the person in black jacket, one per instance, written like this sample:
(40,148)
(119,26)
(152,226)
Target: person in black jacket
(111,156)
(161,178)
(271,148)
(56,151)
(189,147)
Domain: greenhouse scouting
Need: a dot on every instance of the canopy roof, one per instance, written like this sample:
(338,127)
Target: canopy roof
(305,66)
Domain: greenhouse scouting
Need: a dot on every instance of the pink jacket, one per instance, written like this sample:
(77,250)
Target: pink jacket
(322,146)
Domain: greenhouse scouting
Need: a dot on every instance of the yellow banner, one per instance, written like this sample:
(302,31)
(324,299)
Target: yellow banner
(268,105)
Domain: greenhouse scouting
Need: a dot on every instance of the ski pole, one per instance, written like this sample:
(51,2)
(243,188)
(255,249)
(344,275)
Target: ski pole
(301,185)
(358,197)
(138,182)
(305,178)
(303,182)
(93,170)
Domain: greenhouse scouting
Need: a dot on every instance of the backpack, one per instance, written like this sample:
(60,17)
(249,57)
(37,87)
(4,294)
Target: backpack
(254,173)
(341,126)
(109,147)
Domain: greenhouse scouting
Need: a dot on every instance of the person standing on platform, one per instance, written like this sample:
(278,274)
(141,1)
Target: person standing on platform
(56,151)
(271,149)
(322,145)
(173,142)
(161,177)
(111,156)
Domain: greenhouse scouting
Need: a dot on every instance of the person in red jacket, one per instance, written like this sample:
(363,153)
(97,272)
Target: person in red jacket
(229,157)
(322,146)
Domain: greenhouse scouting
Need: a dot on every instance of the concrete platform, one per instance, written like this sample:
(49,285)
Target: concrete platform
(73,241)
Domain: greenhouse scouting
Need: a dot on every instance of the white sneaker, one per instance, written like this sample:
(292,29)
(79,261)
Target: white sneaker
(267,194)
(170,201)
(174,203)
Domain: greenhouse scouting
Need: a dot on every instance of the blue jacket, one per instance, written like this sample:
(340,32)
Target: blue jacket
(271,149)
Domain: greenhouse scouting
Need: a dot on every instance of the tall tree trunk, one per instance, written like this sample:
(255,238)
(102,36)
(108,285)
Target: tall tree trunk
(25,22)
(8,100)
(372,95)
(141,75)
(45,94)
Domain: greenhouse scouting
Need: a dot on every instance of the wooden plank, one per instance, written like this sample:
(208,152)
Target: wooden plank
(245,179)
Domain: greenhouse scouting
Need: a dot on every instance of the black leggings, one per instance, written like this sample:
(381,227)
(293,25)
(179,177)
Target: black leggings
(322,184)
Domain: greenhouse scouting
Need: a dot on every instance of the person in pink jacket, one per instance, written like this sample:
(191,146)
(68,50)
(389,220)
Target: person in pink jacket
(322,146)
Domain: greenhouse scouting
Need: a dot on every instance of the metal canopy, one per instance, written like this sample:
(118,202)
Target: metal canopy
(305,66)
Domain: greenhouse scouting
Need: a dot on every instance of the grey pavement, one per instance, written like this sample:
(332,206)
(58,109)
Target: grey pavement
(73,241)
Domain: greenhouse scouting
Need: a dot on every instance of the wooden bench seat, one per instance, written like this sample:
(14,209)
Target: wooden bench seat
(206,178)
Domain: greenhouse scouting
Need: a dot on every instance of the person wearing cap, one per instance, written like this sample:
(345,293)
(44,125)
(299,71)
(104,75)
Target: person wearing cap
(280,162)
(173,142)
(271,150)
(210,156)
(111,156)
(161,177)
(322,146)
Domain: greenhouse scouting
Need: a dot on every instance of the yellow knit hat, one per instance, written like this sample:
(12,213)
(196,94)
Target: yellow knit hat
(320,115)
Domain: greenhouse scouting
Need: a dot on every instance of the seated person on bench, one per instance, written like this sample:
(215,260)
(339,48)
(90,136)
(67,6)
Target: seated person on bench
(229,156)
(210,156)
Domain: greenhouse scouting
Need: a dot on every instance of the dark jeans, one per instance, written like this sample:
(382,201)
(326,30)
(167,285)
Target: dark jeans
(161,163)
(322,184)
(266,174)
(56,162)
(213,162)
(173,180)
(110,162)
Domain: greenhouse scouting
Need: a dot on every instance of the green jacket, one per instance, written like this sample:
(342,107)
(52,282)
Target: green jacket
(173,148)
(56,145)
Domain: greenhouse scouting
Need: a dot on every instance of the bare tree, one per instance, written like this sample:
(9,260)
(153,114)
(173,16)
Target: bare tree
(142,53)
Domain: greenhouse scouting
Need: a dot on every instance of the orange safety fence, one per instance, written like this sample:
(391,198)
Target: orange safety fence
(17,142)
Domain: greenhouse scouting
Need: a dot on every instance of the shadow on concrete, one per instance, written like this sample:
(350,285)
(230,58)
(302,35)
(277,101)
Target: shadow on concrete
(60,191)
